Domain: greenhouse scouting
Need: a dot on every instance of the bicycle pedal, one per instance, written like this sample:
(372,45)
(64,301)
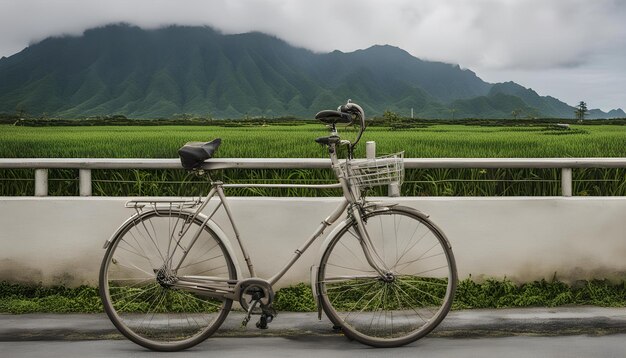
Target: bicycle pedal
(264,320)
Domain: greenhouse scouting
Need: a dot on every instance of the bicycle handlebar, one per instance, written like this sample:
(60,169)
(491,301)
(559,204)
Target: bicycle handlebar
(348,113)
(358,111)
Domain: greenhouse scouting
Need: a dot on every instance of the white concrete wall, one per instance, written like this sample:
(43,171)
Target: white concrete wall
(59,240)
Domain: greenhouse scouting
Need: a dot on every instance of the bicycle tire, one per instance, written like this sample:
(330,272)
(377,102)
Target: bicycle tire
(379,312)
(183,319)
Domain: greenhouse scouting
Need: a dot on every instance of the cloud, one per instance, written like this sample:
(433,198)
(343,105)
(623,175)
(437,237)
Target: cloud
(490,36)
(483,33)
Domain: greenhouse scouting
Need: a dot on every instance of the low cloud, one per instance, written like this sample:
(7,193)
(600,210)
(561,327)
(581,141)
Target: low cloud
(484,35)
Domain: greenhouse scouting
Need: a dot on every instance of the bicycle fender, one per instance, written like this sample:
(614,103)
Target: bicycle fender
(210,224)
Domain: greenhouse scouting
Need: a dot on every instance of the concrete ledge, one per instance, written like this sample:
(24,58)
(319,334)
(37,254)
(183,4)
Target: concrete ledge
(59,240)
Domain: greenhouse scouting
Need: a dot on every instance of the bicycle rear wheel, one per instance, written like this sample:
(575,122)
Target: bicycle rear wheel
(138,273)
(401,308)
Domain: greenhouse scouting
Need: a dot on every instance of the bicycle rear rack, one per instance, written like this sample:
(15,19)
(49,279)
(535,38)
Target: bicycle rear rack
(174,204)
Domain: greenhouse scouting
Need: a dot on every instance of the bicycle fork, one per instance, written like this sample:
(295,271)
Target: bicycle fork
(369,249)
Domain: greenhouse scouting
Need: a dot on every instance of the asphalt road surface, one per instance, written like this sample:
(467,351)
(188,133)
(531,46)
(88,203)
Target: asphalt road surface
(544,332)
(329,346)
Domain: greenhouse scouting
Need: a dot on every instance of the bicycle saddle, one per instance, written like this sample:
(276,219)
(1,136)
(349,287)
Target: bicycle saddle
(332,117)
(193,154)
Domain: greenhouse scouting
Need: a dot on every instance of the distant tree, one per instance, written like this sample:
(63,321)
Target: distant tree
(581,111)
(453,111)
(391,117)
(21,112)
(185,116)
(516,112)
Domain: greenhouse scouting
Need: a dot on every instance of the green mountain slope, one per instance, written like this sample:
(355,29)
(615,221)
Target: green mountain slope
(121,69)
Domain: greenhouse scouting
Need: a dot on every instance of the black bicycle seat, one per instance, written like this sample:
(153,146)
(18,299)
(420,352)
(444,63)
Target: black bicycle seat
(193,154)
(333,117)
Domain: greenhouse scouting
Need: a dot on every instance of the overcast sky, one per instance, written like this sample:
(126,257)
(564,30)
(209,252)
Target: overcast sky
(571,49)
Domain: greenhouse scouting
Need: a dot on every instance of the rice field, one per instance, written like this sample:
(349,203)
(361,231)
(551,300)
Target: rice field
(436,141)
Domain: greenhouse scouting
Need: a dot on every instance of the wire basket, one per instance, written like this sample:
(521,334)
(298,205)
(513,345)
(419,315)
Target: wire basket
(382,170)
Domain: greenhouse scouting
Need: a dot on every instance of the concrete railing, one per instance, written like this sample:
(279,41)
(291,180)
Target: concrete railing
(41,166)
(59,239)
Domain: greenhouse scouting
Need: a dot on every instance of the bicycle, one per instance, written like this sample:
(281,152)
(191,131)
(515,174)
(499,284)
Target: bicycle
(386,276)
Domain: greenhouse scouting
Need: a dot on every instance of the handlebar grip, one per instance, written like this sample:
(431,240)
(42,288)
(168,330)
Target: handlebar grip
(349,109)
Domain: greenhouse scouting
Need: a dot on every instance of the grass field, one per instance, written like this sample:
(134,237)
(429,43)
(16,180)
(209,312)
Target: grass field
(436,141)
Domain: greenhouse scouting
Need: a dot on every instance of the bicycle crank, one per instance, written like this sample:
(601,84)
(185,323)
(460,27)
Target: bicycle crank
(267,315)
(256,293)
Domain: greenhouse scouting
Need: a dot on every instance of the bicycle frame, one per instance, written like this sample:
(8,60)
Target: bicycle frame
(221,288)
(386,290)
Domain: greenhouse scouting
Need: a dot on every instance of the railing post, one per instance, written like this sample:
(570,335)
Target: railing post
(393,189)
(84,181)
(566,181)
(370,149)
(41,182)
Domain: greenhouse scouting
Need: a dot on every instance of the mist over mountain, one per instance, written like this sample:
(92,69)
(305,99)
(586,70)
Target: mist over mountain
(122,69)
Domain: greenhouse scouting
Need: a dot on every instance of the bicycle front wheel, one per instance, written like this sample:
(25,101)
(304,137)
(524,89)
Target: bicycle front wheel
(407,304)
(138,275)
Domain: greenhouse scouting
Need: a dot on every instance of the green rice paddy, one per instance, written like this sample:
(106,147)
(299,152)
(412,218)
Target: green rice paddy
(277,141)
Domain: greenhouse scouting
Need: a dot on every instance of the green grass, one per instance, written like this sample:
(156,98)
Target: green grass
(21,298)
(437,141)
(504,294)
(433,141)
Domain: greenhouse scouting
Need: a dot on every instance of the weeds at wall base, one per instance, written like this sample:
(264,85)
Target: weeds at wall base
(20,298)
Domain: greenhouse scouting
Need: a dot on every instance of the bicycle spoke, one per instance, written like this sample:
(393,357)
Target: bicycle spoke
(424,305)
(421,258)
(349,268)
(413,278)
(133,267)
(199,262)
(407,300)
(412,246)
(152,239)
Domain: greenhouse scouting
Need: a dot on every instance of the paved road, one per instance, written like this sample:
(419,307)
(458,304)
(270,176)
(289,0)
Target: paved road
(560,332)
(458,324)
(316,346)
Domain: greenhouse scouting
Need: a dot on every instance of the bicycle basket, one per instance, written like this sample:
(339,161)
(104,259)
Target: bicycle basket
(382,170)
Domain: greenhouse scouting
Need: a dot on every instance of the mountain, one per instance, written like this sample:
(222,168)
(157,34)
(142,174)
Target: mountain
(122,69)
(549,106)
(598,114)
